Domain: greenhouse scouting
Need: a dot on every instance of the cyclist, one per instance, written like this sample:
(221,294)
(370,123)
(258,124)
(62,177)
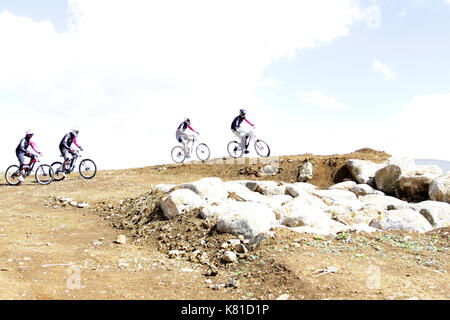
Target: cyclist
(240,132)
(184,138)
(21,151)
(65,148)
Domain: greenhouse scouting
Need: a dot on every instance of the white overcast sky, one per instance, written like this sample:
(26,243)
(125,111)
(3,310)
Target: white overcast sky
(319,77)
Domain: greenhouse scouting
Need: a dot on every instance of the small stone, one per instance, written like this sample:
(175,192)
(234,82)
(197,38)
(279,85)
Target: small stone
(284,296)
(229,256)
(121,239)
(83,205)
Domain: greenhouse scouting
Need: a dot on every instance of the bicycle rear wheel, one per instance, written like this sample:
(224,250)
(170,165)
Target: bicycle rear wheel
(234,149)
(44,174)
(57,171)
(178,154)
(12,175)
(202,151)
(262,148)
(87,168)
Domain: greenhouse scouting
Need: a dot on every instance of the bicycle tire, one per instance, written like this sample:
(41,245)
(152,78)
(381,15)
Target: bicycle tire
(264,146)
(234,149)
(57,170)
(178,154)
(9,175)
(205,152)
(42,171)
(92,166)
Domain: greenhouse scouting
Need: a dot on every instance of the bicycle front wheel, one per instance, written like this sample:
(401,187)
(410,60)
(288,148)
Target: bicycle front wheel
(12,175)
(262,148)
(87,168)
(178,154)
(234,149)
(44,174)
(202,152)
(57,171)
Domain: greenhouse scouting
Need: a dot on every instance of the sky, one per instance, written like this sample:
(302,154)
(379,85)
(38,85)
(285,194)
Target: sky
(319,77)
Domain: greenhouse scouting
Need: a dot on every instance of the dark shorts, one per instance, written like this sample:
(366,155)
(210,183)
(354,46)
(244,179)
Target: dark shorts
(66,153)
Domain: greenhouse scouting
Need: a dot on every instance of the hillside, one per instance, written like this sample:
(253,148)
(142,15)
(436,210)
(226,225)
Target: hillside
(53,250)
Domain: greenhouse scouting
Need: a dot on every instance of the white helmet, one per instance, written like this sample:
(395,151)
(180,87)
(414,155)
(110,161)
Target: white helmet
(29,133)
(187,120)
(75,132)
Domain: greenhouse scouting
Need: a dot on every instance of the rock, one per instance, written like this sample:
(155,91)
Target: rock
(247,219)
(179,202)
(299,188)
(73,203)
(387,179)
(244,193)
(405,219)
(437,213)
(210,189)
(274,202)
(331,197)
(164,188)
(121,239)
(440,188)
(269,170)
(409,180)
(284,296)
(229,256)
(305,172)
(363,171)
(83,205)
(174,254)
(381,202)
(364,189)
(240,248)
(266,187)
(346,185)
(361,217)
(297,213)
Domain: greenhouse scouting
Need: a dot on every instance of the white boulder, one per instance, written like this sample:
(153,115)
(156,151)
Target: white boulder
(440,188)
(210,189)
(251,220)
(405,219)
(296,189)
(266,187)
(437,213)
(179,202)
(363,171)
(306,172)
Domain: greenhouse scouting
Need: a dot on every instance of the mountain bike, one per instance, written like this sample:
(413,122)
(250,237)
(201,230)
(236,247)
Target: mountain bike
(87,167)
(201,150)
(236,150)
(44,173)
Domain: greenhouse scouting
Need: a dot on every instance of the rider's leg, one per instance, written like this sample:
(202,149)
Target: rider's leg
(21,157)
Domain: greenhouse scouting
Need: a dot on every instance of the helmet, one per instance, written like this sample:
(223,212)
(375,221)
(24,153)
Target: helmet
(242,112)
(75,132)
(187,120)
(29,133)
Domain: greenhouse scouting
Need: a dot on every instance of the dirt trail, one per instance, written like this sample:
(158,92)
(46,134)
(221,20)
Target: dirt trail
(45,250)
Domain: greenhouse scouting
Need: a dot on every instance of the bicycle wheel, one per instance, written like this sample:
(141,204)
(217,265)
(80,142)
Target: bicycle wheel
(262,148)
(44,174)
(12,175)
(87,168)
(57,171)
(234,149)
(177,154)
(202,151)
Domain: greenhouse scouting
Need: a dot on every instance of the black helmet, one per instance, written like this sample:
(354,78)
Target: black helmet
(187,120)
(242,112)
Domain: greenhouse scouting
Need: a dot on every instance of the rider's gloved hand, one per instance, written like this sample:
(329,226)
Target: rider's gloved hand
(40,153)
(81,148)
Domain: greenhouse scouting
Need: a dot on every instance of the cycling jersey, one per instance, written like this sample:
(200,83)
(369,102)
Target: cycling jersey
(238,121)
(23,146)
(67,141)
(182,128)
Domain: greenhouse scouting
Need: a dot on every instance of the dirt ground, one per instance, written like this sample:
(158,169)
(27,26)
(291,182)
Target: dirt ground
(49,250)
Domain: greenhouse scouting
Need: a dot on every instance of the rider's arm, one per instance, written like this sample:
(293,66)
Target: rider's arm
(192,129)
(248,122)
(75,141)
(33,145)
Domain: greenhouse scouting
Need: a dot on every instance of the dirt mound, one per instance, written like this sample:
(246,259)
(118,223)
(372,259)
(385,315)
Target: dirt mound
(328,169)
